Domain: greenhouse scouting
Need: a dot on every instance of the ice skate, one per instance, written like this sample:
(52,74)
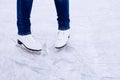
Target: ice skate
(62,38)
(28,42)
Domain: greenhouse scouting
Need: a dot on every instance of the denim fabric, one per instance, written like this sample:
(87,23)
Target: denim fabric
(24,11)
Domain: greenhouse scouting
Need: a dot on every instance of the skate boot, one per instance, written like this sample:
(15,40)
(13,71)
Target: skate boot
(28,42)
(62,38)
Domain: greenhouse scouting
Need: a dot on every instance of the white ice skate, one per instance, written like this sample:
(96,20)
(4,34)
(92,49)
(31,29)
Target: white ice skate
(28,42)
(62,38)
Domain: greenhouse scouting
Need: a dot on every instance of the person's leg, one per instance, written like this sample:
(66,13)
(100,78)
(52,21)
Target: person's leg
(23,16)
(62,8)
(24,26)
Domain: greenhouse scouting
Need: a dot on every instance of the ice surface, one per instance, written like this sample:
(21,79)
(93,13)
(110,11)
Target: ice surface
(93,52)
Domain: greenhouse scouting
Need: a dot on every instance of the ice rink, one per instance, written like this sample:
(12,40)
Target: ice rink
(92,53)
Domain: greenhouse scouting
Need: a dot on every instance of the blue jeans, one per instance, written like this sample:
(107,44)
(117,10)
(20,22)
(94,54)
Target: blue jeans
(24,10)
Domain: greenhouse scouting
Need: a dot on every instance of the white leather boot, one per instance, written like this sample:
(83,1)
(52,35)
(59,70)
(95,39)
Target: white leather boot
(62,38)
(29,42)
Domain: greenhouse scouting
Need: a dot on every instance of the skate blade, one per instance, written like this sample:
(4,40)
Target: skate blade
(61,46)
(28,50)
